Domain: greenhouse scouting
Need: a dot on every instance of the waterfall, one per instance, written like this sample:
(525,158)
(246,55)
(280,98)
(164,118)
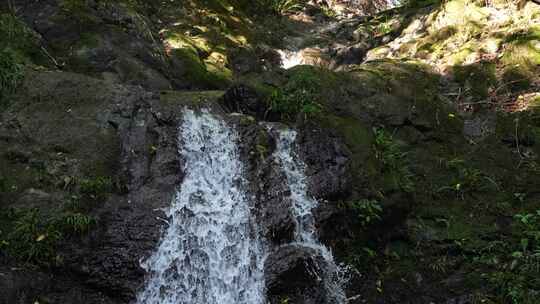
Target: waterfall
(290,59)
(302,208)
(209,253)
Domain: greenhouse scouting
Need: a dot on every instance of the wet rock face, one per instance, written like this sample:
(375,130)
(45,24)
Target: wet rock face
(292,275)
(267,182)
(277,224)
(243,99)
(327,161)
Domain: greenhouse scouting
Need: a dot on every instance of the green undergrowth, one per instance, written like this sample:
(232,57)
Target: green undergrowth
(31,235)
(301,94)
(394,162)
(18,46)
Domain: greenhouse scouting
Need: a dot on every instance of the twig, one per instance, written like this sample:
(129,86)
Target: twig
(58,65)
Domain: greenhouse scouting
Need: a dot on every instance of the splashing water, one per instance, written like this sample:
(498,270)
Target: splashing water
(209,253)
(290,59)
(302,209)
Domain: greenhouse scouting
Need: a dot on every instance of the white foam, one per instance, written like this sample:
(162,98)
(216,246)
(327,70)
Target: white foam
(209,253)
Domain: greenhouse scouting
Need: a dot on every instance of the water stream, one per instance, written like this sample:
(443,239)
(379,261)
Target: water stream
(303,206)
(209,253)
(290,59)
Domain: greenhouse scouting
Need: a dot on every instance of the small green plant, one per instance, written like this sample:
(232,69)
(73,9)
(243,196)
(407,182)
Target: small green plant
(467,179)
(18,42)
(281,7)
(530,229)
(96,187)
(32,239)
(393,160)
(440,265)
(300,95)
(520,276)
(369,211)
(11,73)
(15,34)
(76,223)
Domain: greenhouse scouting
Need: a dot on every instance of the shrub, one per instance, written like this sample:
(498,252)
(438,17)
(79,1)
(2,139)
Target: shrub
(96,187)
(18,42)
(32,237)
(300,95)
(393,160)
(281,7)
(368,211)
(518,279)
(11,73)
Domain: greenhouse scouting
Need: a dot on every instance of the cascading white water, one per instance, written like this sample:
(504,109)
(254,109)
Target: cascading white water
(290,59)
(209,253)
(302,208)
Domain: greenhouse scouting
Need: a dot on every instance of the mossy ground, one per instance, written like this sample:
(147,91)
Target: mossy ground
(491,51)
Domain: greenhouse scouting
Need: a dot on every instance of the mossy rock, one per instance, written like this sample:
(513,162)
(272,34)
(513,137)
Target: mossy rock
(478,78)
(521,59)
(194,71)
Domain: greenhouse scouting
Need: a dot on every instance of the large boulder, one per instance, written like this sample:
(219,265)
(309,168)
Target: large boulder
(293,273)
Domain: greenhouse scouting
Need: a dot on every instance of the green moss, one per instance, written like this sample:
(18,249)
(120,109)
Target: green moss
(436,40)
(521,59)
(359,139)
(197,72)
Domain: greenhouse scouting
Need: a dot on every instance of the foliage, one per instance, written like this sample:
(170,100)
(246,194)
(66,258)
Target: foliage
(281,7)
(15,34)
(467,179)
(76,223)
(530,234)
(32,237)
(96,187)
(15,37)
(11,72)
(517,279)
(394,161)
(369,211)
(300,95)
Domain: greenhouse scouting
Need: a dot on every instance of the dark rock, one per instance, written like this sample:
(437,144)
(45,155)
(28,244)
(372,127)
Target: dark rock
(277,223)
(353,54)
(243,99)
(327,162)
(268,183)
(293,272)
